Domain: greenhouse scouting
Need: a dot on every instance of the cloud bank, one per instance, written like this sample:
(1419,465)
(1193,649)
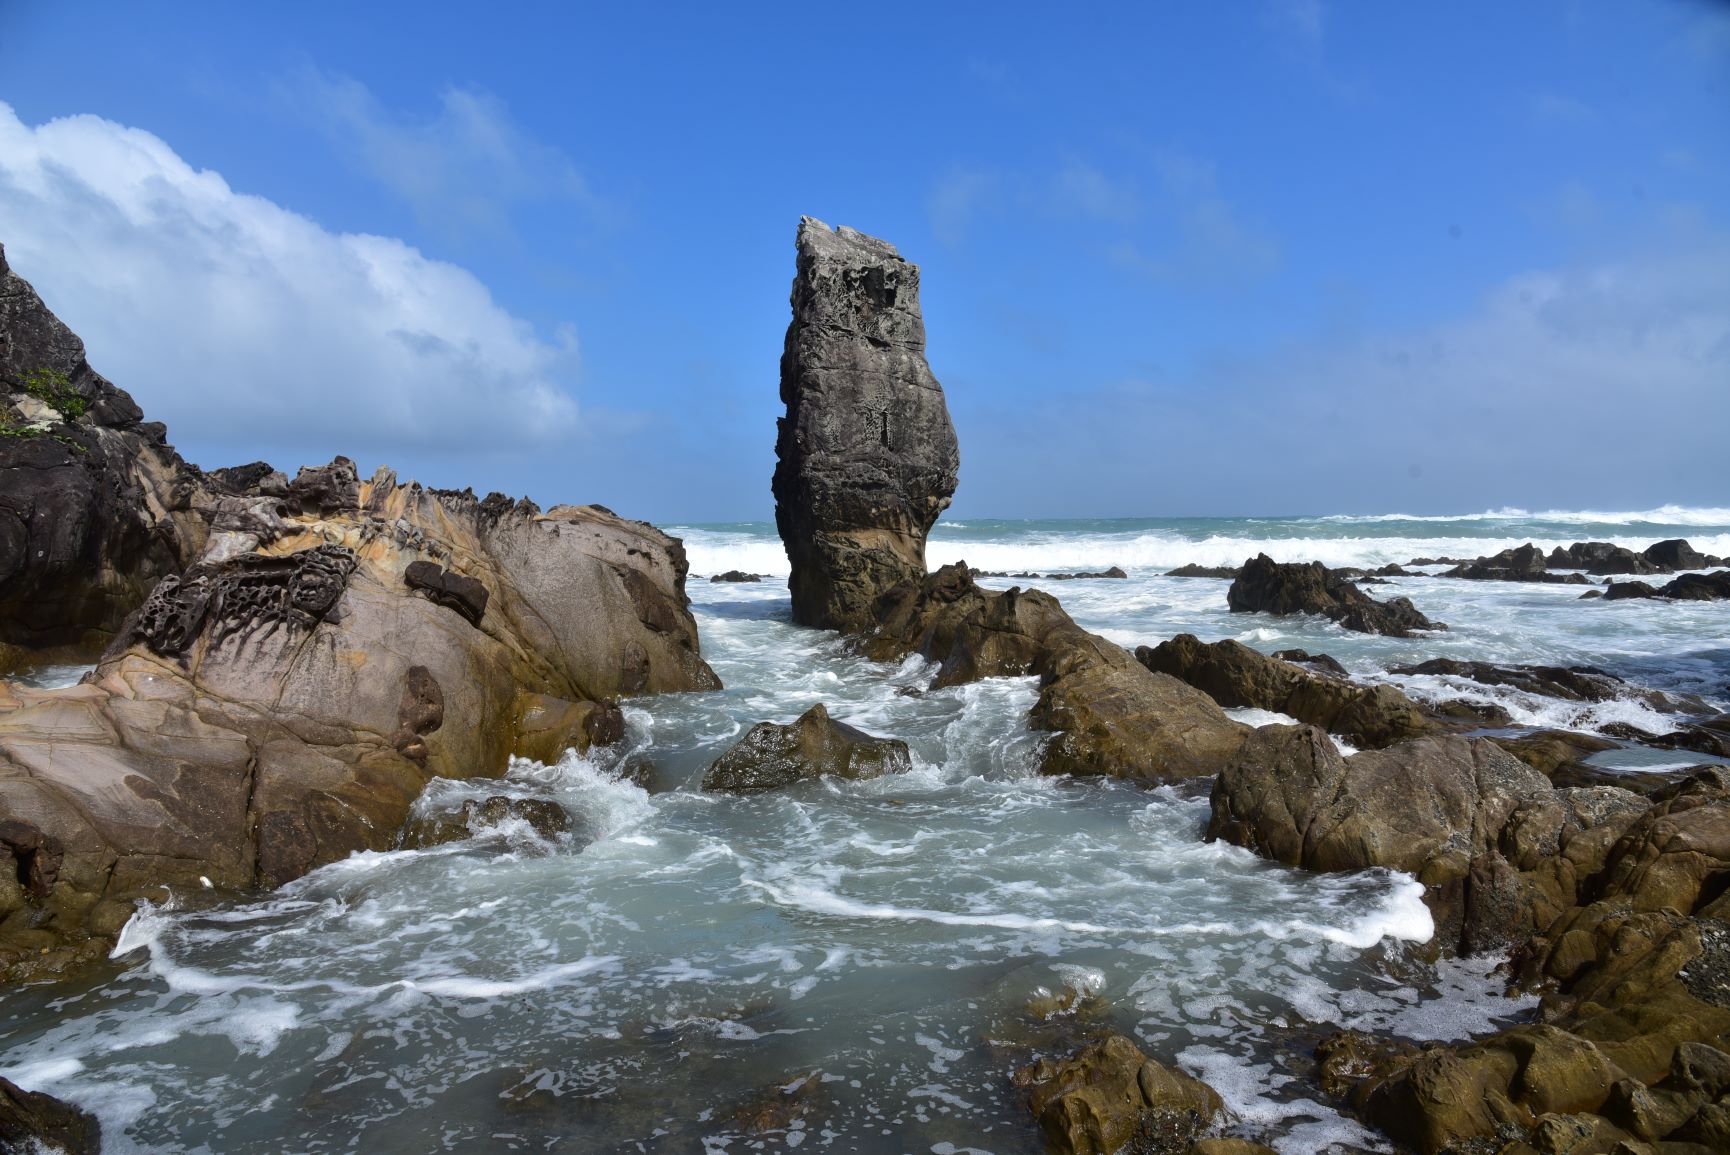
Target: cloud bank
(239,322)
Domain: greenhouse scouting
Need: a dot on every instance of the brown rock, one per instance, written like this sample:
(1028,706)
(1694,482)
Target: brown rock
(1266,586)
(1235,675)
(1101,1098)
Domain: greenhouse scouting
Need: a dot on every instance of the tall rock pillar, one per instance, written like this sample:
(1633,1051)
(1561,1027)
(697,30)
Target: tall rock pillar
(866,455)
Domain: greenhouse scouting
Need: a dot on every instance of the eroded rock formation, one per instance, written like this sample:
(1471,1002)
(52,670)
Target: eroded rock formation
(1234,675)
(1266,586)
(272,710)
(95,506)
(1107,713)
(866,455)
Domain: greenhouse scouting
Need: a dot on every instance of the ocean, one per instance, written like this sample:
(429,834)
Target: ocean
(845,966)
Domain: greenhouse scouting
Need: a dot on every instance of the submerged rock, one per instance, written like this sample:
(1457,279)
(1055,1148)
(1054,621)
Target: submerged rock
(1569,683)
(866,455)
(545,817)
(1109,1095)
(771,756)
(1209,571)
(1235,676)
(95,506)
(1266,586)
(31,1121)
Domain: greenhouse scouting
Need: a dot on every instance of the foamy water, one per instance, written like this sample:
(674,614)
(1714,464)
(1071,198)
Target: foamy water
(651,981)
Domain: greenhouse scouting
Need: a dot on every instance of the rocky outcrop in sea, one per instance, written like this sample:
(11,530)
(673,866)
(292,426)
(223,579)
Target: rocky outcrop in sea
(866,457)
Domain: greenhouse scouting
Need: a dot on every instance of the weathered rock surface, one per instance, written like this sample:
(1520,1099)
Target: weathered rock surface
(1110,715)
(1486,834)
(1234,675)
(276,708)
(545,817)
(1267,586)
(1524,563)
(1569,683)
(31,1121)
(1634,1043)
(866,455)
(771,756)
(95,506)
(1109,1095)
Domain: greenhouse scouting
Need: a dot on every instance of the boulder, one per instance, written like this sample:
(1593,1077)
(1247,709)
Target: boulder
(1266,586)
(1118,719)
(1440,808)
(1235,676)
(771,756)
(1107,1095)
(736,575)
(866,455)
(1675,554)
(1618,591)
(1698,587)
(270,711)
(95,506)
(1602,557)
(32,1121)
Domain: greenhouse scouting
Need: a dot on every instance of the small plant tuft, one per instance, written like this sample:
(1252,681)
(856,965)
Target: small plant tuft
(54,389)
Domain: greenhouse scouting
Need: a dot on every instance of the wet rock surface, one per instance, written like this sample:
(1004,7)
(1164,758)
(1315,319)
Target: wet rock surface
(1109,714)
(814,746)
(546,818)
(1267,586)
(866,457)
(1235,676)
(1569,683)
(31,1121)
(1109,1097)
(736,575)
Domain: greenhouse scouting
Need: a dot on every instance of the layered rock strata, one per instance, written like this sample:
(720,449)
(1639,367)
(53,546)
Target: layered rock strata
(866,455)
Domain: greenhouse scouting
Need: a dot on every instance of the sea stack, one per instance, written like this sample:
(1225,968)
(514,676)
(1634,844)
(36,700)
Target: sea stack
(866,455)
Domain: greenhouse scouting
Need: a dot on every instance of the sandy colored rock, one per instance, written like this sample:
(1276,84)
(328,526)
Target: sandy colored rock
(1235,676)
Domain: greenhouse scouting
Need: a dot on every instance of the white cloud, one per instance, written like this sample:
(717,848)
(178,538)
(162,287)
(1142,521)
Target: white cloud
(461,171)
(239,322)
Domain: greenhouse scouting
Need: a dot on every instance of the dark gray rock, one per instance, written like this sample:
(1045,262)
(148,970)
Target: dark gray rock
(466,595)
(1675,554)
(1266,586)
(32,1121)
(736,575)
(94,507)
(1208,571)
(866,455)
(813,746)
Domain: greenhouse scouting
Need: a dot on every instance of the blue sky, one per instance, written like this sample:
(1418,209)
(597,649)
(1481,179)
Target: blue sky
(1251,258)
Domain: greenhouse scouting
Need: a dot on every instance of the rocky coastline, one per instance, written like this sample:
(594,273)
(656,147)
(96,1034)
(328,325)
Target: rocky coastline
(283,666)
